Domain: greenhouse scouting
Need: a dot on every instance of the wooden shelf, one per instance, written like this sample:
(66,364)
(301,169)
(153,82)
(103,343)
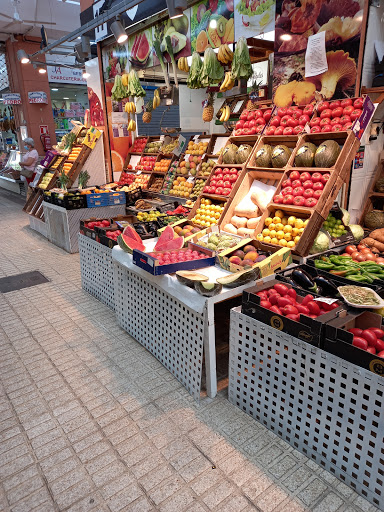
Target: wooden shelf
(374,90)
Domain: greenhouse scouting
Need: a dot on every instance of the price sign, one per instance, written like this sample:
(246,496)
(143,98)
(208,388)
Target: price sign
(138,172)
(12,98)
(191,179)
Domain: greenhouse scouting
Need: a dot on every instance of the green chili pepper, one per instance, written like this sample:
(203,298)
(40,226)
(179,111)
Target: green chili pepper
(324,265)
(352,271)
(324,258)
(359,278)
(341,270)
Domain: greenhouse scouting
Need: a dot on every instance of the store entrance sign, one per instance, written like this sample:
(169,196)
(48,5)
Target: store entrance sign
(38,97)
(12,98)
(65,75)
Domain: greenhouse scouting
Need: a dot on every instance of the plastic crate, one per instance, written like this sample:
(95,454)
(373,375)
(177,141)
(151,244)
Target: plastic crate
(94,200)
(72,202)
(116,198)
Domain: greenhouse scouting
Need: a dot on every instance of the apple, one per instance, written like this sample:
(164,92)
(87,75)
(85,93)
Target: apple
(288,130)
(299,201)
(358,103)
(310,202)
(288,199)
(308,193)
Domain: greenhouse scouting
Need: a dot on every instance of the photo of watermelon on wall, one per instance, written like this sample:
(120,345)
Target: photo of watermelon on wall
(178,30)
(140,54)
(212,24)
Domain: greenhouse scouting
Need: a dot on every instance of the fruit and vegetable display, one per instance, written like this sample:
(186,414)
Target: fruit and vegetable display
(67,166)
(375,241)
(171,219)
(189,203)
(206,168)
(189,165)
(139,145)
(73,155)
(252,122)
(233,154)
(57,163)
(272,156)
(149,216)
(197,187)
(197,148)
(336,116)
(113,235)
(247,257)
(335,227)
(167,149)
(46,180)
(103,223)
(371,340)
(126,178)
(169,178)
(153,147)
(186,230)
(285,301)
(360,270)
(218,241)
(156,185)
(162,165)
(361,297)
(282,229)
(180,210)
(146,163)
(169,257)
(222,181)
(374,219)
(302,189)
(141,181)
(127,188)
(290,121)
(181,187)
(208,213)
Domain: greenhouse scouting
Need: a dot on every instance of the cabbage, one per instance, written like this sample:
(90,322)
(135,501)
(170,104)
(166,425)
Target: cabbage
(346,216)
(320,244)
(213,71)
(357,232)
(194,77)
(241,64)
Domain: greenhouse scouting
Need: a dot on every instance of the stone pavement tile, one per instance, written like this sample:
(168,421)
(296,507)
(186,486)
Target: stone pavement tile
(165,489)
(114,470)
(233,504)
(11,443)
(182,458)
(197,507)
(103,460)
(41,429)
(136,455)
(120,500)
(155,477)
(270,499)
(179,502)
(331,503)
(139,505)
(20,477)
(312,492)
(242,475)
(93,502)
(148,464)
(362,504)
(282,466)
(128,444)
(34,501)
(296,479)
(116,485)
(46,437)
(254,487)
(87,442)
(15,465)
(291,505)
(25,489)
(206,480)
(59,470)
(50,448)
(194,468)
(121,423)
(217,494)
(73,494)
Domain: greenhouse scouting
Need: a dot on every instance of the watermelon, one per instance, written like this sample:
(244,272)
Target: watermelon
(128,244)
(171,245)
(166,236)
(131,233)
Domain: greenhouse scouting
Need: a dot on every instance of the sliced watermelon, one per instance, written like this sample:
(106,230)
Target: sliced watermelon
(171,245)
(131,233)
(166,236)
(128,244)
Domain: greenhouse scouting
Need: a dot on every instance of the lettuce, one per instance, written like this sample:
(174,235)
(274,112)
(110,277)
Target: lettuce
(213,71)
(194,77)
(241,64)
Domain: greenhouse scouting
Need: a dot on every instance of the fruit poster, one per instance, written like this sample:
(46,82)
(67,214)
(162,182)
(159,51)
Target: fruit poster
(115,60)
(140,49)
(178,30)
(342,22)
(212,24)
(254,17)
(94,93)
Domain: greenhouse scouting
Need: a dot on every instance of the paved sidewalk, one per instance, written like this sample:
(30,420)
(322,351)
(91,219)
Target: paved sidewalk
(90,421)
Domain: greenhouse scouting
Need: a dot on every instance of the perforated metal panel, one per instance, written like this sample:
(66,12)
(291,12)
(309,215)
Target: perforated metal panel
(97,270)
(171,331)
(329,409)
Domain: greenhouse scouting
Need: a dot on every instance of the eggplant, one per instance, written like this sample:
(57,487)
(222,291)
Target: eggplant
(304,280)
(327,287)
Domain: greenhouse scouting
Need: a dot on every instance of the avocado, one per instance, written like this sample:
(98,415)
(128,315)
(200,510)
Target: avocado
(178,41)
(181,24)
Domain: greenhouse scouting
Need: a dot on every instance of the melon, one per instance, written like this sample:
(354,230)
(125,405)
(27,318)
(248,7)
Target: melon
(327,154)
(263,156)
(207,289)
(280,156)
(171,245)
(229,154)
(305,155)
(143,50)
(166,236)
(243,153)
(128,244)
(130,232)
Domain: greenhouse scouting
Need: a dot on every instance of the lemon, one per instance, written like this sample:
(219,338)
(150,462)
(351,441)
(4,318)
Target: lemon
(280,235)
(266,232)
(306,222)
(288,229)
(295,231)
(291,244)
(300,231)
(299,223)
(268,221)
(276,220)
(291,220)
(287,237)
(284,221)
(283,242)
(267,239)
(279,213)
(279,227)
(274,241)
(272,225)
(272,233)
(260,237)
(296,240)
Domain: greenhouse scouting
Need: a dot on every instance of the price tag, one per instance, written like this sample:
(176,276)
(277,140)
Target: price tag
(191,179)
(162,137)
(326,300)
(138,172)
(196,138)
(202,156)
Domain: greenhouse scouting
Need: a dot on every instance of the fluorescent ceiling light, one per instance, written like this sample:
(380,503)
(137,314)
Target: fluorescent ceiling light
(54,89)
(69,2)
(42,70)
(65,98)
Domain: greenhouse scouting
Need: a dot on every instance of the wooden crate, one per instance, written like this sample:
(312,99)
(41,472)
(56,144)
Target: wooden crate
(160,157)
(218,140)
(289,140)
(155,175)
(201,138)
(306,127)
(374,198)
(252,140)
(203,160)
(78,164)
(241,172)
(31,200)
(214,201)
(268,177)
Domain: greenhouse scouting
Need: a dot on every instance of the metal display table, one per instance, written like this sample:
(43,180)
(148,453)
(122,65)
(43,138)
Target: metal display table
(172,321)
(327,408)
(63,225)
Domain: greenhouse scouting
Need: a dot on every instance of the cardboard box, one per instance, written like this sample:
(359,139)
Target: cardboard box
(151,264)
(338,341)
(307,329)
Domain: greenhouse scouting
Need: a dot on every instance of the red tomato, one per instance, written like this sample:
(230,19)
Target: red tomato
(349,250)
(326,113)
(335,120)
(288,199)
(290,111)
(297,113)
(260,120)
(251,115)
(295,175)
(325,177)
(345,119)
(287,190)
(346,102)
(322,106)
(270,130)
(263,295)
(379,345)
(334,104)
(289,310)
(298,191)
(280,288)
(273,299)
(318,186)
(299,201)
(315,129)
(316,176)
(265,304)
(308,184)
(358,103)
(324,121)
(377,332)
(278,199)
(287,183)
(292,293)
(283,301)
(302,309)
(267,115)
(298,129)
(281,111)
(308,109)
(258,113)
(381,354)
(276,310)
(326,128)
(304,176)
(296,183)
(288,130)
(296,318)
(284,120)
(315,121)
(310,202)
(356,114)
(337,112)
(338,127)
(279,130)
(313,307)
(308,192)
(304,119)
(347,111)
(276,121)
(369,336)
(371,350)
(239,124)
(360,342)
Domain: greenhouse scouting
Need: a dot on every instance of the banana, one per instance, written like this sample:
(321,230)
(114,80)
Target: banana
(227,113)
(228,53)
(186,66)
(129,125)
(133,108)
(180,64)
(222,115)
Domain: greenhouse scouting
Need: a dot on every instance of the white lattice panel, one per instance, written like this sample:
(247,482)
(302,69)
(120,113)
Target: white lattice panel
(97,270)
(329,409)
(171,331)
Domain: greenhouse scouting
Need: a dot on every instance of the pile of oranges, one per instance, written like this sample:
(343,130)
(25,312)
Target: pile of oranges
(162,165)
(181,187)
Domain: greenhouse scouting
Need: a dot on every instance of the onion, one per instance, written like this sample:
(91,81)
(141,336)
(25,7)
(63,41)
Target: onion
(350,249)
(355,255)
(360,257)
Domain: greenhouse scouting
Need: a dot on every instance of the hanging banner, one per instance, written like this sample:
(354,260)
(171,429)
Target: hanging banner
(253,17)
(38,97)
(115,60)
(94,93)
(11,98)
(342,24)
(212,23)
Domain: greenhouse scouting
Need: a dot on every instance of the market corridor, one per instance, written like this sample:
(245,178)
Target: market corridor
(90,421)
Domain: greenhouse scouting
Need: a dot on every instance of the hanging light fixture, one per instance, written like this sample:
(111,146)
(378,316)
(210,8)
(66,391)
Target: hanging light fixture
(176,8)
(86,45)
(119,31)
(86,74)
(23,56)
(42,70)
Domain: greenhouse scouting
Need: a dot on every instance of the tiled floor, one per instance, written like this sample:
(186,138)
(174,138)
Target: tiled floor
(90,421)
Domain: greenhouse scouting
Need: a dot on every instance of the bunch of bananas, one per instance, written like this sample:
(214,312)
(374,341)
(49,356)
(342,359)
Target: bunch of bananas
(228,83)
(124,79)
(225,55)
(132,125)
(182,64)
(156,99)
(130,107)
(226,113)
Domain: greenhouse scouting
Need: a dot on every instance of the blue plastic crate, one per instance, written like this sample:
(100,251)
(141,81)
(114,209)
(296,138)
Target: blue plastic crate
(94,200)
(117,198)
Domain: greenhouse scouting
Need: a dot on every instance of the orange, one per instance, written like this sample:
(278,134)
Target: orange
(117,161)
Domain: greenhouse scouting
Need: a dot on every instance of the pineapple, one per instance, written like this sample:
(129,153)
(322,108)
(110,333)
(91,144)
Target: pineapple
(147,115)
(208,110)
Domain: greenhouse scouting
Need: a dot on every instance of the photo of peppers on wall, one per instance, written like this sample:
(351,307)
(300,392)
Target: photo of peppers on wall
(342,22)
(212,24)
